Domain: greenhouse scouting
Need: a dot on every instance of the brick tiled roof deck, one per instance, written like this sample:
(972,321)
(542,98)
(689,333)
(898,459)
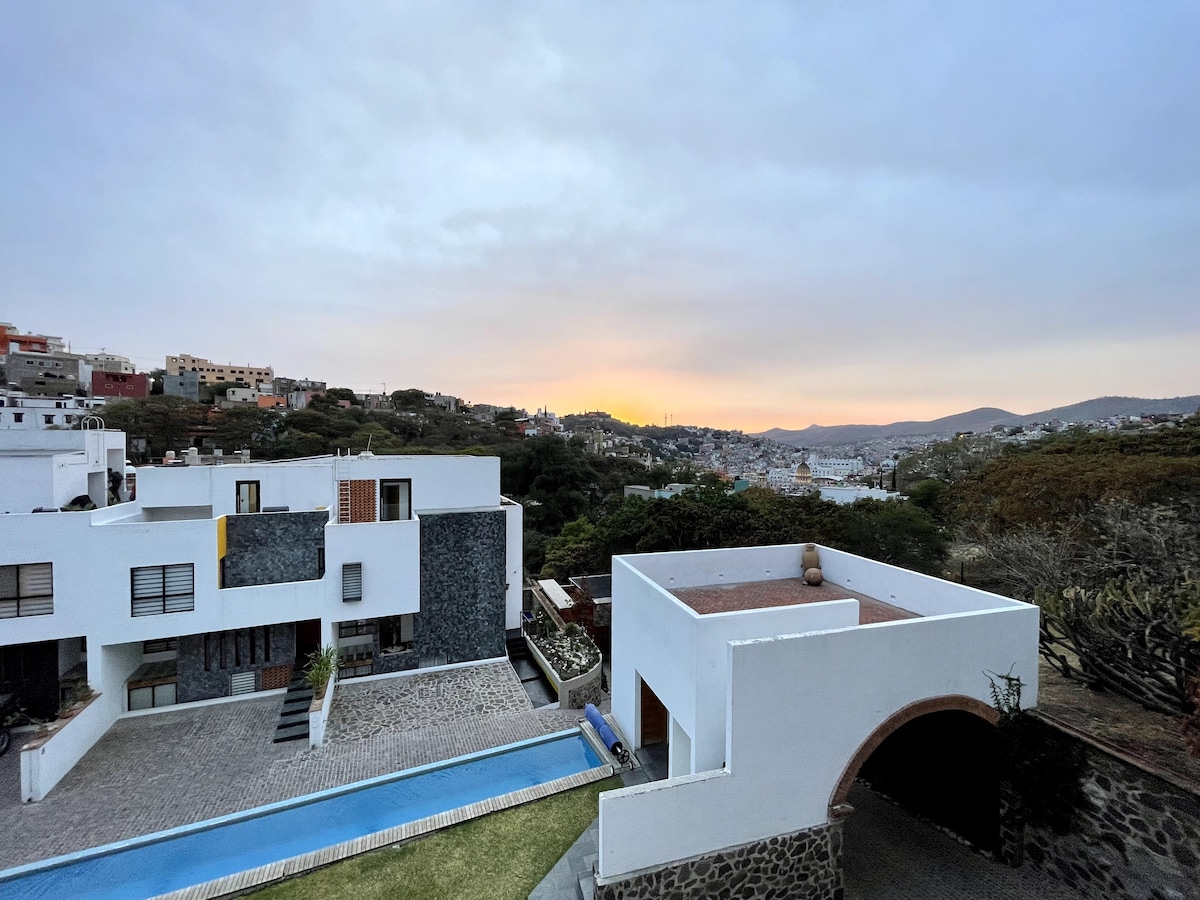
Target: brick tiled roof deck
(719,598)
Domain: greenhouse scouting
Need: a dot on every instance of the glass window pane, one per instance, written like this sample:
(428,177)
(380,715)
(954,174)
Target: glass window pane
(164,694)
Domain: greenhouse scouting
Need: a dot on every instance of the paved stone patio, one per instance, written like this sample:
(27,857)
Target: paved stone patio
(172,768)
(371,708)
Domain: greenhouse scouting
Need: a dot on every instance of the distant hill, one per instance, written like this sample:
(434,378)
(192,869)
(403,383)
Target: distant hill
(982,419)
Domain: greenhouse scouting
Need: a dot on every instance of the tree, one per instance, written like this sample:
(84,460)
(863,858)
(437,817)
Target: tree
(411,399)
(576,551)
(246,427)
(893,532)
(339,393)
(162,421)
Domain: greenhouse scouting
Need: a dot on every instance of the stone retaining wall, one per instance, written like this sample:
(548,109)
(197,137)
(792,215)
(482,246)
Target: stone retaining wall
(1137,837)
(805,865)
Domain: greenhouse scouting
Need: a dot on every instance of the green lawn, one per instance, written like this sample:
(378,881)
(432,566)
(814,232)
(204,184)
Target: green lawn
(502,856)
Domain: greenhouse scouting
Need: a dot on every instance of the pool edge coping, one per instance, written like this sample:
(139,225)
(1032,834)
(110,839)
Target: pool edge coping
(262,876)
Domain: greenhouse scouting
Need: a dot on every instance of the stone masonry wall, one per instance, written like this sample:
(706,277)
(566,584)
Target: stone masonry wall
(1138,837)
(272,548)
(194,683)
(462,586)
(805,865)
(581,695)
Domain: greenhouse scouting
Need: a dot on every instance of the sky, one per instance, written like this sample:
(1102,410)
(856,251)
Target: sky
(742,215)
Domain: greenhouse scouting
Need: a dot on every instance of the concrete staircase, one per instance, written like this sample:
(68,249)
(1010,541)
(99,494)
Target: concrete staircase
(571,877)
(293,717)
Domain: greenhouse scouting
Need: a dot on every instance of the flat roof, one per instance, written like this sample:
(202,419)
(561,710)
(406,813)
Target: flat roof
(739,596)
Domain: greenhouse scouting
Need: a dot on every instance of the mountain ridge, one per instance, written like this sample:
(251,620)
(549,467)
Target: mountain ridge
(982,419)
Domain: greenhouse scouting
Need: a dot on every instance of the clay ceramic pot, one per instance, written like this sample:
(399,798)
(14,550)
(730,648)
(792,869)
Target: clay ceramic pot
(810,559)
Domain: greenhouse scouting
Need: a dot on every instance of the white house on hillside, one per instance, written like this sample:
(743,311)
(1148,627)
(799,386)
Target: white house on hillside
(219,579)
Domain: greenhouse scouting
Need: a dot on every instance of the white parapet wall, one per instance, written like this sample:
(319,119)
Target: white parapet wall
(46,759)
(318,714)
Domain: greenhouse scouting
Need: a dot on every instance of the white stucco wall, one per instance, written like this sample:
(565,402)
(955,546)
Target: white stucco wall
(514,562)
(796,706)
(438,482)
(688,672)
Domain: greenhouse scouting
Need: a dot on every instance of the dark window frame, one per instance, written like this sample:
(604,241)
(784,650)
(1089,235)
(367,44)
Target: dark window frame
(165,598)
(349,594)
(21,601)
(402,515)
(257,499)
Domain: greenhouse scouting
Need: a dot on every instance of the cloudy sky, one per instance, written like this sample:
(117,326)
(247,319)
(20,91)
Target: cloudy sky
(744,214)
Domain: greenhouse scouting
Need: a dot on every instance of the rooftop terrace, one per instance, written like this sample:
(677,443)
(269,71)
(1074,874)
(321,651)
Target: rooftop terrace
(739,596)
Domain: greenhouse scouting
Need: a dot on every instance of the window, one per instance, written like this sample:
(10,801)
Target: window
(395,500)
(247,497)
(18,417)
(161,646)
(356,628)
(157,590)
(396,633)
(26,590)
(151,696)
(351,582)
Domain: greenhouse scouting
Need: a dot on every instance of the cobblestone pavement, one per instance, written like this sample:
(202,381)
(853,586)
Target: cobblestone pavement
(160,771)
(888,855)
(367,709)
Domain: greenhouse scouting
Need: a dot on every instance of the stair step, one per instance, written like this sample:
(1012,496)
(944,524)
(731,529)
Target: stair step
(288,719)
(587,887)
(291,733)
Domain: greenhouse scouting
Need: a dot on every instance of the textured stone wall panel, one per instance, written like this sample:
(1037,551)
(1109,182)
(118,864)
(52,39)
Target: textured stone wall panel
(273,548)
(194,683)
(462,586)
(394,662)
(804,865)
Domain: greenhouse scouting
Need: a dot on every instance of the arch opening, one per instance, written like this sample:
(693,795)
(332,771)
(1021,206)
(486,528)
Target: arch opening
(939,759)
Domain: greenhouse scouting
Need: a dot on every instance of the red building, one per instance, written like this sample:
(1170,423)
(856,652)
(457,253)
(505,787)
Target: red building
(117,384)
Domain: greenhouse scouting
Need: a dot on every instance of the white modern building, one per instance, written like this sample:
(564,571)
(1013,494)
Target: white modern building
(832,469)
(850,493)
(219,579)
(22,412)
(767,695)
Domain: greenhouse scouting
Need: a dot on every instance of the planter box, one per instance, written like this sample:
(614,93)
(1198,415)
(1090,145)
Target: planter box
(574,693)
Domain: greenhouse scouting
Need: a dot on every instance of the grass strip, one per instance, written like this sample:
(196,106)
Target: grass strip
(502,856)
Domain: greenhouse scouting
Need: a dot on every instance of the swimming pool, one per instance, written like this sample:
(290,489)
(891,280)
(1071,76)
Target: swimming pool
(169,860)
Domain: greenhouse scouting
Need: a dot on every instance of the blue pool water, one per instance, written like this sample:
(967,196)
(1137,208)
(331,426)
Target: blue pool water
(168,861)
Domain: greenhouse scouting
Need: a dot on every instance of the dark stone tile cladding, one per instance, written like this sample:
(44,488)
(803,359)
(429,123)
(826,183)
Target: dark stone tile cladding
(193,683)
(1137,837)
(462,586)
(272,548)
(804,865)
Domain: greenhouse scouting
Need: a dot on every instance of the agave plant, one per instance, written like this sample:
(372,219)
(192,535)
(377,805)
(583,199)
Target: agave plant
(320,666)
